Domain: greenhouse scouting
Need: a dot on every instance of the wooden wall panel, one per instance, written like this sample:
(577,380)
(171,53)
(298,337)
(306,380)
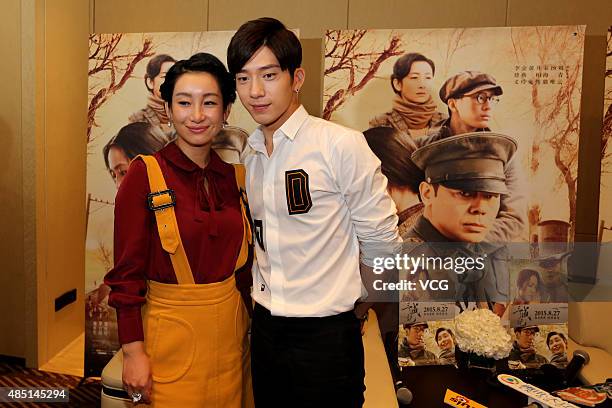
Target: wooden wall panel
(426,14)
(12,280)
(142,16)
(65,151)
(312,17)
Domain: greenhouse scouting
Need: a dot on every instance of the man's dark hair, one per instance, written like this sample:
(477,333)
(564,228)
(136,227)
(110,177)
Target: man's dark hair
(201,62)
(269,32)
(393,148)
(554,333)
(154,67)
(402,66)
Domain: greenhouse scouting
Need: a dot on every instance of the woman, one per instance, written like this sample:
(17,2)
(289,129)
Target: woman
(155,113)
(557,344)
(182,250)
(529,286)
(132,140)
(414,110)
(393,149)
(446,342)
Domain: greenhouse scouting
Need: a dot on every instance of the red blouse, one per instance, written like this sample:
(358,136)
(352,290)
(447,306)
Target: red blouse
(210,225)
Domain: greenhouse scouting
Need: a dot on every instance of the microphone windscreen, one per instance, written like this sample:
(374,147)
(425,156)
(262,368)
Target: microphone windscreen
(579,359)
(404,395)
(583,354)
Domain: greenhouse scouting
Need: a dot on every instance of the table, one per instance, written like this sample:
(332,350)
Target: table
(429,384)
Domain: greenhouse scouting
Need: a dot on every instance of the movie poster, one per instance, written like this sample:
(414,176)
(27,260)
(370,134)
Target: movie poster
(406,89)
(126,117)
(605,198)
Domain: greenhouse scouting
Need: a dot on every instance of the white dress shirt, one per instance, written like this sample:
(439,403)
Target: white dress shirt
(317,202)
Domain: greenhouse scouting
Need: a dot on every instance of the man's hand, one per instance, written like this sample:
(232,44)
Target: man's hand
(361,311)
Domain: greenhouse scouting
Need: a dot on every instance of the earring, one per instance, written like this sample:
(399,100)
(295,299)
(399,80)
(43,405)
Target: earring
(297,91)
(224,124)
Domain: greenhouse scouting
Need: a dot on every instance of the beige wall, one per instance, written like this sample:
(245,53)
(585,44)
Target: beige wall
(43,122)
(12,279)
(62,244)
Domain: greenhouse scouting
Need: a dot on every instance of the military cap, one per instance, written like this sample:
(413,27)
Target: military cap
(553,243)
(468,83)
(534,328)
(407,326)
(470,162)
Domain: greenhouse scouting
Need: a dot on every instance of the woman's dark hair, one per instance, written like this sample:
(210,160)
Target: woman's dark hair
(441,329)
(554,333)
(154,67)
(134,139)
(201,62)
(393,148)
(269,32)
(402,66)
(525,274)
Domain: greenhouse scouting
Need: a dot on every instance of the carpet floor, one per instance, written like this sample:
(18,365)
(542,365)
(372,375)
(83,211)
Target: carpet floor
(85,394)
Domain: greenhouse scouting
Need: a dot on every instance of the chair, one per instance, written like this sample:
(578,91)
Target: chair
(590,329)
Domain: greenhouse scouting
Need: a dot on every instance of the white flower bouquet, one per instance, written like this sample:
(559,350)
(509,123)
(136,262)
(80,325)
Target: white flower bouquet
(480,332)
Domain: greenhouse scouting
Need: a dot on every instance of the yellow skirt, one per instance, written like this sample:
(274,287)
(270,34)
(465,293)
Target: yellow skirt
(196,337)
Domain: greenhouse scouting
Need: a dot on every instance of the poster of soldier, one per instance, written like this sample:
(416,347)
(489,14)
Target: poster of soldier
(477,131)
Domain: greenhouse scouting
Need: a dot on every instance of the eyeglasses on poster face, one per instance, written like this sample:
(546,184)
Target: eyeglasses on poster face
(482,97)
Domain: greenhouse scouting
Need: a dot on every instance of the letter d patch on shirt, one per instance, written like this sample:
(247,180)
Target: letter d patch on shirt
(298,192)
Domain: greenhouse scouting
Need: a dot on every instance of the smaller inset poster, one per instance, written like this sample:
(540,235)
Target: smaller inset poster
(535,345)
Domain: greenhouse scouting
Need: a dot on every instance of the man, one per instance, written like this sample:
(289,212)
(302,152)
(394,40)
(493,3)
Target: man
(412,347)
(557,344)
(464,183)
(471,97)
(523,350)
(446,342)
(554,279)
(318,201)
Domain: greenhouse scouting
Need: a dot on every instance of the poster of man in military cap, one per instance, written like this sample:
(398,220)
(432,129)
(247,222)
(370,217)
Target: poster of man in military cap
(126,117)
(492,115)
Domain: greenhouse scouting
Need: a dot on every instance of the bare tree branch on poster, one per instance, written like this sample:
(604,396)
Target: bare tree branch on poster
(558,118)
(342,49)
(105,256)
(609,51)
(456,42)
(111,69)
(606,133)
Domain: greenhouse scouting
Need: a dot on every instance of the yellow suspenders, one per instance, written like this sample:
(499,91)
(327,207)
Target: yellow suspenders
(162,201)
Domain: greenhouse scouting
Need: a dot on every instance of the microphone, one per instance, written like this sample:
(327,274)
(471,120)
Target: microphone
(403,394)
(579,359)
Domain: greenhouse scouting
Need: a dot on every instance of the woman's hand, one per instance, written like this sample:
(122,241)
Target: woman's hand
(137,370)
